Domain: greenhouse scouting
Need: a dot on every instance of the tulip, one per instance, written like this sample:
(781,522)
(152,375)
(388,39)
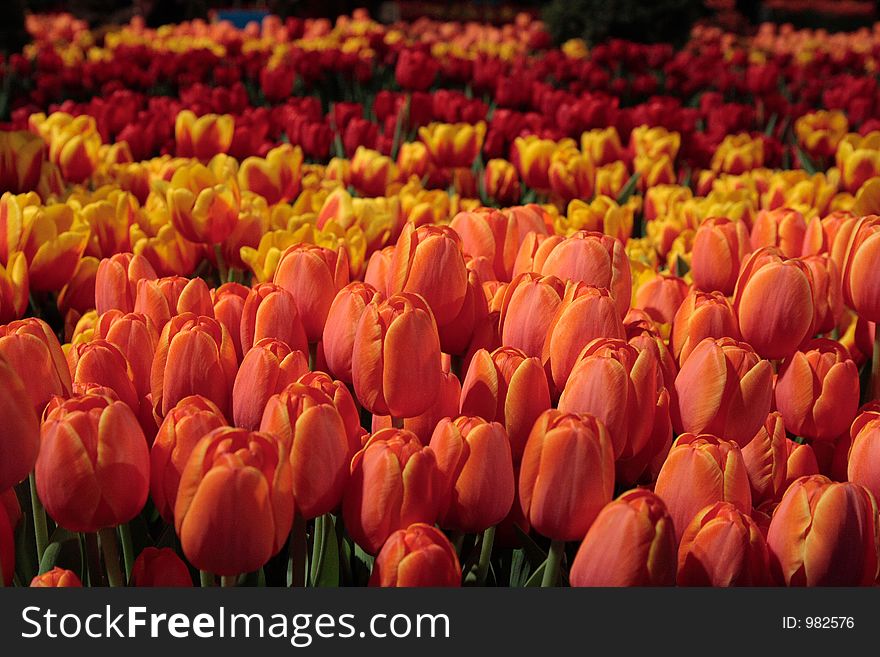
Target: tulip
(611,178)
(203,137)
(9,503)
(722,546)
(444,405)
(723,388)
(342,399)
(101,363)
(32,350)
(203,204)
(20,440)
(585,314)
(817,390)
(275,177)
(824,533)
(508,387)
(661,297)
(783,228)
(602,215)
(827,292)
(419,555)
(229,301)
(737,154)
(415,70)
(631,543)
(531,155)
(701,470)
(160,567)
(93,469)
(14,288)
(136,337)
(270,312)
(234,507)
(378,270)
(268,368)
(623,388)
(571,174)
(313,275)
(342,319)
(56,578)
(819,133)
(164,298)
(188,422)
(602,145)
(305,419)
(766,459)
(371,172)
(594,259)
(453,145)
(457,335)
(396,358)
(501,182)
(774,303)
(701,315)
(567,474)
(21,163)
(185,340)
(858,159)
(529,305)
(863,466)
(720,245)
(55,244)
(394,482)
(474,460)
(861,285)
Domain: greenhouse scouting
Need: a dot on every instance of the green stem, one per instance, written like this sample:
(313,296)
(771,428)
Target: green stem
(457,540)
(127,549)
(551,566)
(107,536)
(221,262)
(313,356)
(296,565)
(319,546)
(40,529)
(228,581)
(485,555)
(875,364)
(206,579)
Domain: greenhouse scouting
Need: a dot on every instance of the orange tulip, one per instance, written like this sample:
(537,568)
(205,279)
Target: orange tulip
(270,312)
(863,465)
(56,578)
(817,390)
(533,252)
(528,307)
(275,177)
(444,405)
(203,137)
(661,297)
(136,337)
(827,292)
(824,534)
(722,546)
(101,363)
(185,340)
(313,275)
(783,228)
(32,350)
(774,303)
(117,280)
(164,298)
(474,460)
(188,422)
(20,440)
(594,259)
(342,399)
(268,368)
(766,459)
(396,358)
(234,507)
(306,420)
(567,474)
(723,388)
(394,482)
(501,182)
(631,543)
(160,567)
(378,271)
(720,245)
(342,319)
(457,335)
(419,555)
(586,313)
(623,388)
(93,470)
(861,284)
(453,144)
(701,470)
(701,315)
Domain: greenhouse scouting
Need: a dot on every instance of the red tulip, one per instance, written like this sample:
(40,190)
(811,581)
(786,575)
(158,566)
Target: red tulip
(19,429)
(32,350)
(116,281)
(342,319)
(702,315)
(529,304)
(268,368)
(160,567)
(720,245)
(863,464)
(270,312)
(419,555)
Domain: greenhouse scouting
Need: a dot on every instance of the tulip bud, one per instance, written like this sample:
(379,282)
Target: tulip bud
(661,297)
(453,145)
(702,315)
(774,303)
(860,280)
(508,387)
(160,567)
(528,307)
(234,507)
(720,245)
(187,423)
(501,182)
(631,543)
(270,312)
(723,546)
(419,555)
(203,203)
(116,281)
(394,483)
(783,228)
(473,457)
(817,390)
(396,358)
(863,464)
(20,432)
(268,368)
(93,470)
(342,320)
(701,470)
(56,578)
(827,292)
(445,405)
(824,534)
(567,474)
(164,298)
(136,337)
(307,422)
(766,458)
(32,350)
(723,388)
(101,363)
(531,155)
(203,137)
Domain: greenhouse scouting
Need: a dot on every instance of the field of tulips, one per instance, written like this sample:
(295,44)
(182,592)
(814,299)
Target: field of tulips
(323,303)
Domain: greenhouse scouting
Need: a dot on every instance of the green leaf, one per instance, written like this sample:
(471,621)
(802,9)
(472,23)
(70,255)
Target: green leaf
(325,554)
(628,189)
(808,164)
(50,557)
(535,580)
(519,569)
(532,550)
(771,124)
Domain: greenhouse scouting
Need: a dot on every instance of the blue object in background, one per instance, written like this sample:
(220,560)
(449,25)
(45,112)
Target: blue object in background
(241,17)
